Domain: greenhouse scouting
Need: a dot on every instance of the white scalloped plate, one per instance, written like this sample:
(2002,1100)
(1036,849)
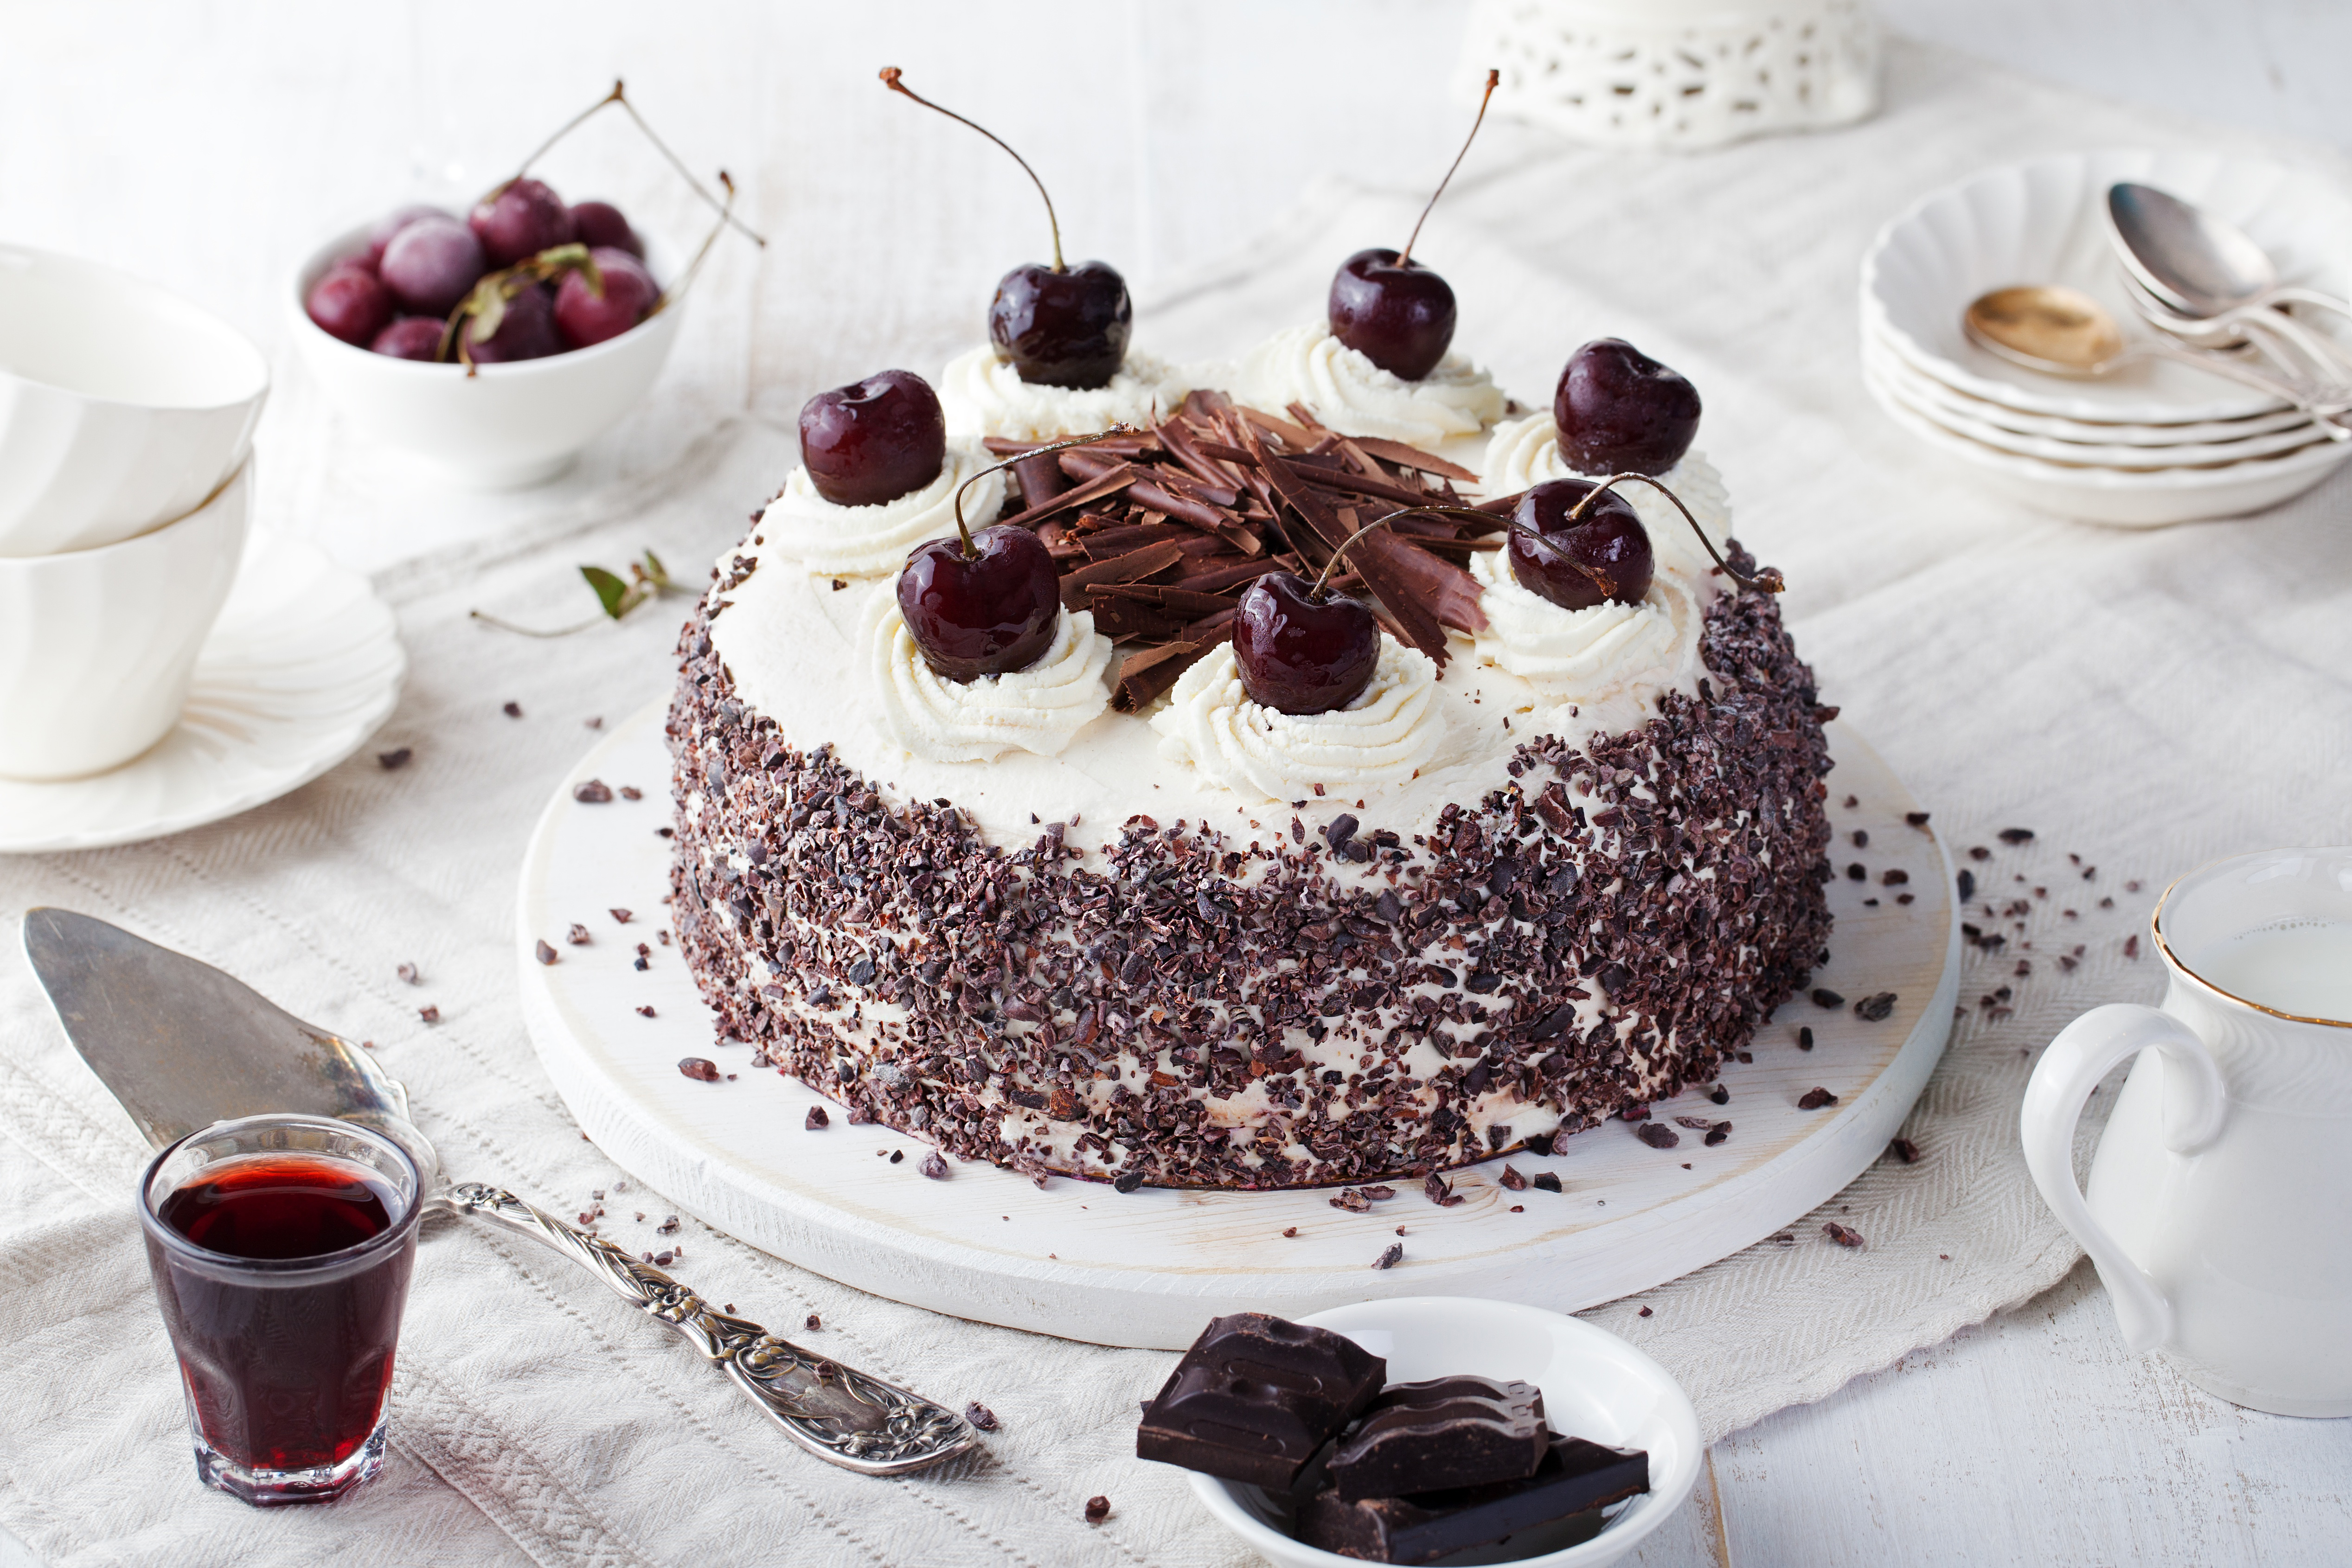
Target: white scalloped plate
(1078,1259)
(2155,440)
(303,665)
(2044,222)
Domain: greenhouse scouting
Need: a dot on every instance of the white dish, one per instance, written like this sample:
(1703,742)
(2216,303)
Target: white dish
(303,665)
(507,426)
(96,645)
(123,406)
(1882,360)
(1076,1259)
(2137,500)
(1595,1386)
(2044,222)
(2066,453)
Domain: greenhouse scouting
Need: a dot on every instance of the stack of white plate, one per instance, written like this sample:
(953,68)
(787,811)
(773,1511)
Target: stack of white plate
(2155,442)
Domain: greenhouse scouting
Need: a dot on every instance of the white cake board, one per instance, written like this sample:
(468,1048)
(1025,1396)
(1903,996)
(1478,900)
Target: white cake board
(1077,1260)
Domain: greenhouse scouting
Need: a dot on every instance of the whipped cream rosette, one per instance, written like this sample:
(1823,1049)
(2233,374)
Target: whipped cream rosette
(984,396)
(1526,452)
(1308,366)
(1260,754)
(802,526)
(1039,709)
(1590,654)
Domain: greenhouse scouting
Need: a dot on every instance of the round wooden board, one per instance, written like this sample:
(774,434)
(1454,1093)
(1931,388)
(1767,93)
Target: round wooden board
(1077,1260)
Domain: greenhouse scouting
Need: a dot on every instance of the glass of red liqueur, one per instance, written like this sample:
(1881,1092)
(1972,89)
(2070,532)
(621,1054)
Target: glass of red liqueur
(281,1247)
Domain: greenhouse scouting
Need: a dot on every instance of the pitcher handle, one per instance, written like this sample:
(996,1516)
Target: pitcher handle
(2195,1102)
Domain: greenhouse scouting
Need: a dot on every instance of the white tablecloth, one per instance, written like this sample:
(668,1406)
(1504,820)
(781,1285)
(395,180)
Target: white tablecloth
(2142,701)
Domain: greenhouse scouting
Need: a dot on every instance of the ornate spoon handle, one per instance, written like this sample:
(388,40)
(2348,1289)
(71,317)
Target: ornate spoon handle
(836,1411)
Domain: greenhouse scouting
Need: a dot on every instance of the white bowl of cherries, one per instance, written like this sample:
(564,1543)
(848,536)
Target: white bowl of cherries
(497,344)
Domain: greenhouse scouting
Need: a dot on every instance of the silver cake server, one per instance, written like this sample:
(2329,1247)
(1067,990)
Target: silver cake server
(182,1045)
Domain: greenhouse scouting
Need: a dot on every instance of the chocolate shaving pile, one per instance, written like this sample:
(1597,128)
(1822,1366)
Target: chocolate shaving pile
(1158,533)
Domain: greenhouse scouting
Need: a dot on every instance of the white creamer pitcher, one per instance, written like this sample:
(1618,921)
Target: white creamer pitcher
(2219,1209)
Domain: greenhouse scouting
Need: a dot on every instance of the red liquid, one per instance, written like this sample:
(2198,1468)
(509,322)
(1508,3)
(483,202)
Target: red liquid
(285,1376)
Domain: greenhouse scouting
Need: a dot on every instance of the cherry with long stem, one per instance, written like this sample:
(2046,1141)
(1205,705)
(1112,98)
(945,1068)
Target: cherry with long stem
(1494,79)
(1768,579)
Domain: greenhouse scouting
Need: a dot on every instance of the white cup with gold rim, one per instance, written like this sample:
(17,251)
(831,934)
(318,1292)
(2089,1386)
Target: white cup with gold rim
(2220,1206)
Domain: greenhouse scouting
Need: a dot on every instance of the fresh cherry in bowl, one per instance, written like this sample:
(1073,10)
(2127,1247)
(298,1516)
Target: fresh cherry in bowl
(623,295)
(1062,328)
(430,263)
(600,224)
(521,218)
(981,605)
(1301,650)
(874,441)
(349,303)
(1578,562)
(1621,412)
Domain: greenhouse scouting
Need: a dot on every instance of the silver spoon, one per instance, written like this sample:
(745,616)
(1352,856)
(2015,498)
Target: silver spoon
(2065,332)
(2195,262)
(2304,354)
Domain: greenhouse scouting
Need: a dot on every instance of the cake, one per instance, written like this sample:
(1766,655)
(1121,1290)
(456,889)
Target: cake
(1025,838)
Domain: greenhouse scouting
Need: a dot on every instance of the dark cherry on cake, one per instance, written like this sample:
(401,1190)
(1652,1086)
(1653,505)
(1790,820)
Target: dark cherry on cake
(1301,649)
(1620,410)
(1057,326)
(1391,309)
(874,441)
(980,604)
(1579,550)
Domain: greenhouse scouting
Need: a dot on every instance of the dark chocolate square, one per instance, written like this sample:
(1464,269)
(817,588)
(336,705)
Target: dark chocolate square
(1577,1477)
(1255,1398)
(1458,1431)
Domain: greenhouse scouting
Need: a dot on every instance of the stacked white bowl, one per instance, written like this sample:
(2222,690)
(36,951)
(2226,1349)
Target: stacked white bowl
(2155,442)
(126,428)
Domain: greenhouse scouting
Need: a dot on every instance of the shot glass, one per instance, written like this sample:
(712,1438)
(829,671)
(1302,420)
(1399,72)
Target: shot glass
(281,1247)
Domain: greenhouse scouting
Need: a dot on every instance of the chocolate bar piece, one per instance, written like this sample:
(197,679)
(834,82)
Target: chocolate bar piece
(1461,1431)
(1255,1398)
(1577,1477)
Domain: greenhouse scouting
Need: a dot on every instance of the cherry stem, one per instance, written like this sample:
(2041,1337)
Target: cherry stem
(971,552)
(725,209)
(1768,579)
(1315,592)
(1534,536)
(694,267)
(891,80)
(1494,79)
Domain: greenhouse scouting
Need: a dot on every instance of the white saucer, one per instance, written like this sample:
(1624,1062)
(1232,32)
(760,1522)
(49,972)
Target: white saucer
(303,665)
(1595,1386)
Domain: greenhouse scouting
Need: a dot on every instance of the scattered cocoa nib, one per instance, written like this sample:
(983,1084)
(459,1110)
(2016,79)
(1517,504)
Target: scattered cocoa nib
(1979,852)
(1388,1259)
(408,972)
(1916,818)
(2017,835)
(396,757)
(593,792)
(1644,1312)
(1695,1124)
(578,935)
(513,710)
(1717,1132)
(620,916)
(1804,1039)
(1379,1193)
(934,1166)
(1814,1099)
(1841,1235)
(1894,876)
(817,1121)
(1541,1143)
(429,1013)
(1857,872)
(1876,1008)
(631,792)
(698,1067)
(1904,1149)
(1825,998)
(2131,945)
(1719,1095)
(1098,1508)
(980,1417)
(812,1324)
(1658,1135)
(1861,839)
(1967,882)
(1512,1180)
(1433,1186)
(1290,1230)
(1128,1180)
(1352,1200)
(646,1011)
(668,1226)
(1544,1181)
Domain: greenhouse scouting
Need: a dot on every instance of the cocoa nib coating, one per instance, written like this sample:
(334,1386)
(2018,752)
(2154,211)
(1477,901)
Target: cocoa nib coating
(978,995)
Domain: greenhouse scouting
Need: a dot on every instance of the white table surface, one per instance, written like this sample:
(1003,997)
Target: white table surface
(208,145)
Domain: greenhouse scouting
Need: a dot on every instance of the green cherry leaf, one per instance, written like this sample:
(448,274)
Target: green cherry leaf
(617,598)
(657,573)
